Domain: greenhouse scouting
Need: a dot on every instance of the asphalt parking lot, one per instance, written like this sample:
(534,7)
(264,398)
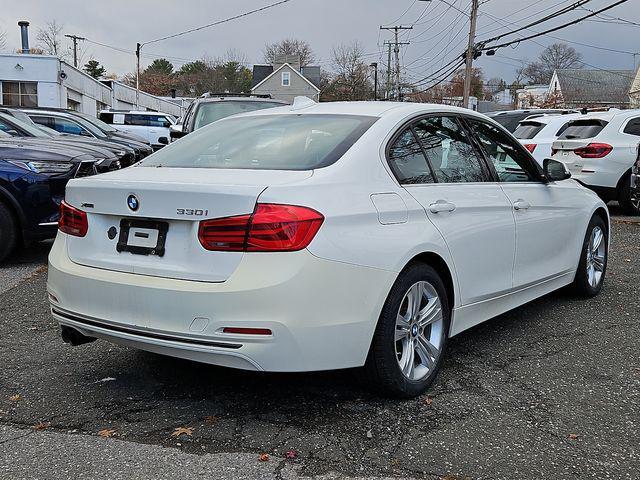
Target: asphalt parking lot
(550,390)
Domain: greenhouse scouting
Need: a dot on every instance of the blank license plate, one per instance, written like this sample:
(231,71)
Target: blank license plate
(142,237)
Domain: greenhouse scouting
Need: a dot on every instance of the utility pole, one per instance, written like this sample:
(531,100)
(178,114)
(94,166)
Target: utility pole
(468,71)
(374,65)
(387,93)
(396,50)
(138,47)
(75,39)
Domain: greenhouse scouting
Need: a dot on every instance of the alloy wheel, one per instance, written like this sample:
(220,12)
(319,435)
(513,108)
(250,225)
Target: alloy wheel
(596,256)
(419,333)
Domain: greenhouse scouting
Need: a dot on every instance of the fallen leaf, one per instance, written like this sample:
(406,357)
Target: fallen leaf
(210,419)
(40,426)
(106,433)
(15,398)
(573,436)
(291,454)
(188,431)
(628,260)
(428,401)
(264,457)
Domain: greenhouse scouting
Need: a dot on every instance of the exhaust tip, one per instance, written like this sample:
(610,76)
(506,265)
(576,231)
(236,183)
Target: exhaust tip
(73,337)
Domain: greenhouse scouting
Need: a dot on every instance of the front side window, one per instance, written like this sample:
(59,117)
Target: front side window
(286,79)
(266,142)
(407,160)
(63,125)
(507,156)
(449,150)
(20,94)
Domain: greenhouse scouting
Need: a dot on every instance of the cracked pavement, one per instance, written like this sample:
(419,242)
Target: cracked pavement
(549,390)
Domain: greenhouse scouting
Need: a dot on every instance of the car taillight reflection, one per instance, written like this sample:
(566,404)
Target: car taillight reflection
(270,228)
(531,147)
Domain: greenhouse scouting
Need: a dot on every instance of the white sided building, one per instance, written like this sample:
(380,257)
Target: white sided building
(28,80)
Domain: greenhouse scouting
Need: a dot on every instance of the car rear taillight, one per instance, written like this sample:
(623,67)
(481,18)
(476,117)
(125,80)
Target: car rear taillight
(270,228)
(530,146)
(72,221)
(594,150)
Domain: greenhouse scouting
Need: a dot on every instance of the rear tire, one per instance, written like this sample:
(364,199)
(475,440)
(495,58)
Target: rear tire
(629,203)
(8,232)
(409,342)
(593,259)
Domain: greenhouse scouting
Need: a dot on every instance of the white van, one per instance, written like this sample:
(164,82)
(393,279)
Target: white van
(152,126)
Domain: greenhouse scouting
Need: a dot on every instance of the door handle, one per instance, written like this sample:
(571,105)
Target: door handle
(441,206)
(521,204)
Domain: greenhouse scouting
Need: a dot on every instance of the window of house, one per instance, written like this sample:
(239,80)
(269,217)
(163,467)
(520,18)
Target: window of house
(286,79)
(20,94)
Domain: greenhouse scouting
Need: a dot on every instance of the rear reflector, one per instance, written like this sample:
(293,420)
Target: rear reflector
(270,228)
(530,146)
(72,221)
(247,331)
(594,150)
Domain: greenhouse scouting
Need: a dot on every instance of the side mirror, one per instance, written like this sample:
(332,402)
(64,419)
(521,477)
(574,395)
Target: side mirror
(163,140)
(175,132)
(555,171)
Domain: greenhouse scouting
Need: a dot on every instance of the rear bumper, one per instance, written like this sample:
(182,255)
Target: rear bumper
(322,313)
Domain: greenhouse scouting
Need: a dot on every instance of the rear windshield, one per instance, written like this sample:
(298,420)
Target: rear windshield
(210,112)
(581,129)
(266,142)
(528,130)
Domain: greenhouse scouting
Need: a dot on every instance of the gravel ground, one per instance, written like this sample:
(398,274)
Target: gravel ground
(549,390)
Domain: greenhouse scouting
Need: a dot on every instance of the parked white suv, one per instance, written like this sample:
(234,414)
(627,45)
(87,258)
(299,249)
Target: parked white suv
(599,150)
(537,133)
(152,126)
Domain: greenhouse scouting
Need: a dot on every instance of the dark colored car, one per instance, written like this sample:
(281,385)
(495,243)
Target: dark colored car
(32,183)
(18,124)
(510,119)
(208,109)
(69,122)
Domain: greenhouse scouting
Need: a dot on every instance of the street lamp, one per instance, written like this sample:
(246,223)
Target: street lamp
(375,80)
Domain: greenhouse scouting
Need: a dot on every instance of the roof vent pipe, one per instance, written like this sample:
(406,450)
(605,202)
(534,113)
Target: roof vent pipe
(24,34)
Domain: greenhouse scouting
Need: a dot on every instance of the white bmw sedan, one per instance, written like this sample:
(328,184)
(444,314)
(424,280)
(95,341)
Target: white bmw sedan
(322,236)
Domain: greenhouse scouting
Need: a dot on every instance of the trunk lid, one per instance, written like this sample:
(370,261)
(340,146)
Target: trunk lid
(175,199)
(564,152)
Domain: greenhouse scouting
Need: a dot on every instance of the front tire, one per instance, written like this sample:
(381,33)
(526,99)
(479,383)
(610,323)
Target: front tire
(411,335)
(8,232)
(593,259)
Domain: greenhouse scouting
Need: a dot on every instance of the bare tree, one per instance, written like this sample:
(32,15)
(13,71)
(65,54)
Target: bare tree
(289,46)
(50,39)
(554,57)
(352,79)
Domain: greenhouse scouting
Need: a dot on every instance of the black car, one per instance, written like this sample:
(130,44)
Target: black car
(510,119)
(18,124)
(208,109)
(70,122)
(32,183)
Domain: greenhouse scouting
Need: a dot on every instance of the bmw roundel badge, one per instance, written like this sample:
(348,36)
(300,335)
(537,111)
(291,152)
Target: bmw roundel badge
(133,202)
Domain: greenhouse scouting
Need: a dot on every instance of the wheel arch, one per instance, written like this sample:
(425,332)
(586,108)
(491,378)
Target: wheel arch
(441,267)
(7,199)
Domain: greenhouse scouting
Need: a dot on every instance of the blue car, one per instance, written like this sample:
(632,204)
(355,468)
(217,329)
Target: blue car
(32,184)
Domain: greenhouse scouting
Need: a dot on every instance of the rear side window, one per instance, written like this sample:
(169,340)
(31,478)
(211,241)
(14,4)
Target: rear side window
(528,130)
(449,150)
(633,127)
(266,142)
(407,160)
(581,129)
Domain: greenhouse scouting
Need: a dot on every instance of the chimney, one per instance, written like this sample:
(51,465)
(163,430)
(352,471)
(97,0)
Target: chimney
(24,34)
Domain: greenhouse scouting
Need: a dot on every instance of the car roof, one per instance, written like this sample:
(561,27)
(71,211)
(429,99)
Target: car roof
(365,108)
(549,118)
(135,112)
(237,99)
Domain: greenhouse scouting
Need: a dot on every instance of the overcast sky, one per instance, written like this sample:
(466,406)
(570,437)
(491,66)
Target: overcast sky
(439,33)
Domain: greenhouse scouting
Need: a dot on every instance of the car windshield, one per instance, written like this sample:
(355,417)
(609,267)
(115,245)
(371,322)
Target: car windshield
(528,130)
(209,112)
(266,142)
(581,129)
